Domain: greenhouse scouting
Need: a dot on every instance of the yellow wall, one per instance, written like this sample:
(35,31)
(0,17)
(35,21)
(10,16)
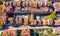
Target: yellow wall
(2,0)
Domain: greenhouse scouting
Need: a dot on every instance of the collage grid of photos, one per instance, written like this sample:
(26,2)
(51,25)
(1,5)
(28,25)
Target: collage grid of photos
(16,14)
(32,32)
